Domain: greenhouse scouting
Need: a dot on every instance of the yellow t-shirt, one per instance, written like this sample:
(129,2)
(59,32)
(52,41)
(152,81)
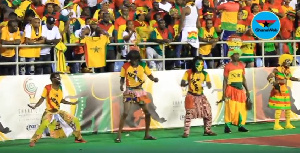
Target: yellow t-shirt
(6,35)
(241,28)
(195,81)
(95,51)
(235,74)
(35,51)
(248,48)
(135,76)
(53,97)
(203,33)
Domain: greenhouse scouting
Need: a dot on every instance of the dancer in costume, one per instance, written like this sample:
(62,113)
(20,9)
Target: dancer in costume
(54,118)
(233,93)
(196,104)
(134,71)
(280,94)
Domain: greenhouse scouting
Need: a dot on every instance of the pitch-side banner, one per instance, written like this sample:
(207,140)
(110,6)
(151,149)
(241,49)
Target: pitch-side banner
(100,101)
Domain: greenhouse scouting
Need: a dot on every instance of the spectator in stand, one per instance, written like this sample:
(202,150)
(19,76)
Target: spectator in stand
(111,51)
(129,36)
(273,7)
(156,10)
(120,26)
(286,7)
(11,16)
(247,7)
(271,49)
(188,33)
(178,5)
(216,51)
(52,36)
(255,9)
(50,11)
(105,8)
(10,35)
(33,36)
(78,52)
(144,5)
(173,22)
(205,6)
(248,48)
(156,17)
(208,34)
(242,24)
(207,14)
(78,6)
(118,4)
(160,35)
(131,11)
(228,21)
(143,30)
(199,3)
(287,32)
(37,7)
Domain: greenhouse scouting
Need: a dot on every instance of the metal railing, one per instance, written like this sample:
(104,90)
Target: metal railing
(163,59)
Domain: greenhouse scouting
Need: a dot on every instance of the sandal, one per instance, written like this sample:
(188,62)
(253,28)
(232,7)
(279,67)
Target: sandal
(117,140)
(209,133)
(149,138)
(185,135)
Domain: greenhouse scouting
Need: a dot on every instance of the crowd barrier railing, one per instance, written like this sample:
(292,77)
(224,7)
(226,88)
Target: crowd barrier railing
(17,63)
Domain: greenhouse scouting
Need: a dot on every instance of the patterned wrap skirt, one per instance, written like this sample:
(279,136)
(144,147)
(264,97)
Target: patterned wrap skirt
(198,105)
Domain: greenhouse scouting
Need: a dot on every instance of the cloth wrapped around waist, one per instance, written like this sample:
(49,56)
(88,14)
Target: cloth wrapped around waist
(58,128)
(135,95)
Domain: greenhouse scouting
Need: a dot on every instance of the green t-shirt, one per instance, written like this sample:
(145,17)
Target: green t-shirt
(269,47)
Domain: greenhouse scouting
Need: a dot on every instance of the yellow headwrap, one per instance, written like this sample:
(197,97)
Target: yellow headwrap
(284,57)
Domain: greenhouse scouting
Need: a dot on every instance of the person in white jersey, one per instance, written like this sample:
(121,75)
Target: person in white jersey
(189,30)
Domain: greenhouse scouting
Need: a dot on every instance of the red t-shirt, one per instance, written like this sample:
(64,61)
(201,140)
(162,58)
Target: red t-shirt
(287,27)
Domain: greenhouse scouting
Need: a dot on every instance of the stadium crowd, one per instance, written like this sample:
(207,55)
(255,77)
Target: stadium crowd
(35,22)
